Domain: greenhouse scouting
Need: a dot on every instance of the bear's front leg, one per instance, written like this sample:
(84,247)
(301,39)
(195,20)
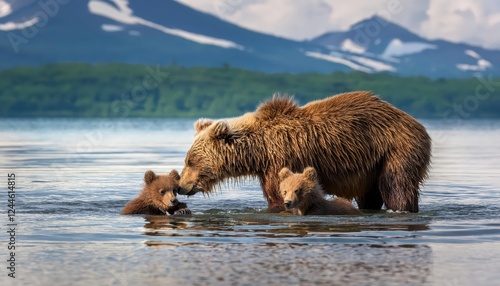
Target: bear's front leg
(270,188)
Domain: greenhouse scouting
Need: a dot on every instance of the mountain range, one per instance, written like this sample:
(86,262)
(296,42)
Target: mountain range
(168,32)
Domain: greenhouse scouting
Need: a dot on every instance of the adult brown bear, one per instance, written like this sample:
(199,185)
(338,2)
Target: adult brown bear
(362,147)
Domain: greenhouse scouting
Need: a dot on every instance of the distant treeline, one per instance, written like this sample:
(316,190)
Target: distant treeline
(120,90)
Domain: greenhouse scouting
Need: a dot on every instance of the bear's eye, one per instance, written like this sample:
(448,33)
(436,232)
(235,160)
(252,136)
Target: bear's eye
(297,191)
(163,192)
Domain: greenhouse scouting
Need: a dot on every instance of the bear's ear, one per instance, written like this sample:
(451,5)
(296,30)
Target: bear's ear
(222,130)
(149,177)
(174,175)
(201,124)
(284,173)
(310,173)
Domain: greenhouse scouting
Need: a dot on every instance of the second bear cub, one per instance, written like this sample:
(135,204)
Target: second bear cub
(304,193)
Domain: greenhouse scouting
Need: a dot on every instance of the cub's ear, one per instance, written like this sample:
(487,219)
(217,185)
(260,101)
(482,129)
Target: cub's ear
(201,124)
(310,173)
(222,130)
(174,175)
(284,173)
(149,177)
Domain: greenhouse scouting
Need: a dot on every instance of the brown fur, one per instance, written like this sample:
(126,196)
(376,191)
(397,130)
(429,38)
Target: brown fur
(304,193)
(158,196)
(362,147)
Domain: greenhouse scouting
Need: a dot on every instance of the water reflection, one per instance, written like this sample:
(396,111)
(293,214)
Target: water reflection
(272,228)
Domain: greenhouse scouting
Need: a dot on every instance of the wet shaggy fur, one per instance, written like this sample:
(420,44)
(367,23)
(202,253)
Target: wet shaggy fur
(158,196)
(363,148)
(302,191)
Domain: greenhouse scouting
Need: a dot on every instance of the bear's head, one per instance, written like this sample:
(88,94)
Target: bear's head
(158,196)
(210,158)
(160,191)
(295,187)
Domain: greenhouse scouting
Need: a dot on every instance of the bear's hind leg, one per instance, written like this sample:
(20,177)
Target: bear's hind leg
(404,168)
(400,192)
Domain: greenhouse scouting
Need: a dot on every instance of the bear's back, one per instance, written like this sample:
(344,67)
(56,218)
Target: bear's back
(341,206)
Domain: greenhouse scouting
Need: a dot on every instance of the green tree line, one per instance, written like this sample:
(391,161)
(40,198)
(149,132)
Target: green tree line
(122,90)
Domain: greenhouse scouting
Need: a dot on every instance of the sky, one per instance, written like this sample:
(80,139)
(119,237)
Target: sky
(475,22)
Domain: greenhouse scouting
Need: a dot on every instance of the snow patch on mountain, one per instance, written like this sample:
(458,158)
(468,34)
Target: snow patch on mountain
(338,60)
(111,28)
(9,26)
(359,63)
(480,65)
(125,15)
(5,9)
(349,46)
(472,54)
(398,48)
(373,64)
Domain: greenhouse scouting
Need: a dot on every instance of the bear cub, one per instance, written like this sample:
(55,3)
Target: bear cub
(304,193)
(158,197)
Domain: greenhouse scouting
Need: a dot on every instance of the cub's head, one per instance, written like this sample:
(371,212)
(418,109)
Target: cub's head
(295,187)
(160,191)
(206,161)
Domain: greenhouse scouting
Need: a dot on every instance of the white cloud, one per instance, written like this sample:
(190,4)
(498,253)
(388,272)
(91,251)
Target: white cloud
(473,22)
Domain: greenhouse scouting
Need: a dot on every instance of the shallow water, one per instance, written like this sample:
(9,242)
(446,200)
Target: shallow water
(74,176)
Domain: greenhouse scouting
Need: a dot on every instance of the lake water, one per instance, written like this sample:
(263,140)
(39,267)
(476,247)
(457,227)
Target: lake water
(74,176)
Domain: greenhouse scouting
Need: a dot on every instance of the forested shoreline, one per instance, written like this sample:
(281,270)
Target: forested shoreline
(123,90)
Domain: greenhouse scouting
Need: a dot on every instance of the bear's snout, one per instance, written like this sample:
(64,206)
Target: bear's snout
(176,190)
(174,201)
(188,189)
(182,191)
(288,204)
(185,187)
